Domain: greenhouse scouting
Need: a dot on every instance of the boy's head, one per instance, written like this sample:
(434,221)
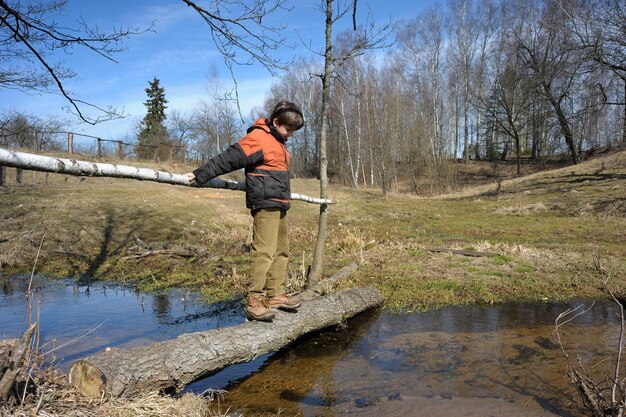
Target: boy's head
(287,117)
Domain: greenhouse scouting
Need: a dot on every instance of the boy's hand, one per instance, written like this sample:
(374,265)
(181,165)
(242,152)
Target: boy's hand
(190,177)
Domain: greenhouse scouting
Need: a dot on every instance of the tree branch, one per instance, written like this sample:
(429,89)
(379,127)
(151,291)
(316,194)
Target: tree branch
(27,35)
(244,32)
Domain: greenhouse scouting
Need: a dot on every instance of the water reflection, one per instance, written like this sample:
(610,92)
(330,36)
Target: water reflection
(299,375)
(435,363)
(79,320)
(161,306)
(504,355)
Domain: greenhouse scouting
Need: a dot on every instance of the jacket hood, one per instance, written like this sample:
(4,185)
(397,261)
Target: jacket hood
(260,124)
(265,125)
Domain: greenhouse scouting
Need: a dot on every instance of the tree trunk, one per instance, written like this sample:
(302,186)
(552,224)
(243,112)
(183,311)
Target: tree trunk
(624,121)
(563,123)
(455,155)
(320,243)
(93,169)
(466,150)
(172,364)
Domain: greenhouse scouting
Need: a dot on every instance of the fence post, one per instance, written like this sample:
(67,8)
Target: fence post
(3,171)
(70,143)
(18,175)
(120,150)
(99,149)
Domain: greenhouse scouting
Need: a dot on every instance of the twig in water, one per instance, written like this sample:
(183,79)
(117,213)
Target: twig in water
(76,339)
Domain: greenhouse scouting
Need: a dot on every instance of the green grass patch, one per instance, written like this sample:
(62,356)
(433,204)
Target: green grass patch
(498,274)
(524,269)
(501,260)
(442,285)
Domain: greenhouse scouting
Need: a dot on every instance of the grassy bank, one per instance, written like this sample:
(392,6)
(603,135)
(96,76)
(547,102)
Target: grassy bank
(541,231)
(534,238)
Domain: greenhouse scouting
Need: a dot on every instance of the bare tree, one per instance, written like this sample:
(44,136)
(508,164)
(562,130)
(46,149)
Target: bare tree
(180,127)
(241,34)
(504,77)
(369,37)
(214,124)
(508,101)
(599,29)
(464,30)
(22,130)
(30,33)
(546,49)
(297,85)
(239,30)
(488,23)
(511,106)
(422,42)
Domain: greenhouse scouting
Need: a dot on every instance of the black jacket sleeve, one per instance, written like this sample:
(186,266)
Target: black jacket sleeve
(230,160)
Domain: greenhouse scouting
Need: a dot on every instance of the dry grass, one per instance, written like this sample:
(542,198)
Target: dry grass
(50,395)
(543,224)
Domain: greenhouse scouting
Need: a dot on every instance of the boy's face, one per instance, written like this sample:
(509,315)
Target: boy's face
(283,130)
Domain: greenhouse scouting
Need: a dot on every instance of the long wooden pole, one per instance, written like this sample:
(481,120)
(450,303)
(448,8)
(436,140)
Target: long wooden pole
(35,162)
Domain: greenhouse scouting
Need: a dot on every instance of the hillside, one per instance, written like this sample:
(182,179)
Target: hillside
(541,230)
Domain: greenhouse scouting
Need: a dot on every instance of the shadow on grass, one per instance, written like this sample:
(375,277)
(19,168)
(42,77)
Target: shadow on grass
(556,184)
(108,246)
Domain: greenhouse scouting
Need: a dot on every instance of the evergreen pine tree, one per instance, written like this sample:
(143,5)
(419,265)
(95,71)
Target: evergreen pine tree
(153,138)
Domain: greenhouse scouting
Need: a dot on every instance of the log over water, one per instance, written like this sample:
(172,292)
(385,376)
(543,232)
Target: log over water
(171,365)
(35,162)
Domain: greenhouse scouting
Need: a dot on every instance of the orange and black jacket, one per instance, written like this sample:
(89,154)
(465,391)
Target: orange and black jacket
(263,153)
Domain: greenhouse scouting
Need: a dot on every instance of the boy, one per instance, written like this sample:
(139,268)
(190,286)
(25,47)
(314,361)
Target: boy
(263,153)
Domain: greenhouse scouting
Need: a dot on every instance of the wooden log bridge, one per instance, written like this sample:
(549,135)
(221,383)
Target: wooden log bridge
(36,162)
(171,365)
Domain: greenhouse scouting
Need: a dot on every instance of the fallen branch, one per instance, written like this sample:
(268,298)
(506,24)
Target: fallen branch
(330,284)
(35,162)
(172,364)
(166,252)
(463,252)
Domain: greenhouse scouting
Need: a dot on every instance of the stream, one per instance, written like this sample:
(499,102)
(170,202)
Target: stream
(460,360)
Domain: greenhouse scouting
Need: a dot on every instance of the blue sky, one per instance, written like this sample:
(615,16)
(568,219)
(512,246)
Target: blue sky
(180,53)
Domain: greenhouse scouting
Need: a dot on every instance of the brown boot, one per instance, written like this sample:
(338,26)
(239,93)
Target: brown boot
(283,302)
(256,310)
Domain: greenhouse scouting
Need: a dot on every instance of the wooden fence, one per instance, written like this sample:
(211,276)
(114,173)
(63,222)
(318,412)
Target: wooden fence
(87,146)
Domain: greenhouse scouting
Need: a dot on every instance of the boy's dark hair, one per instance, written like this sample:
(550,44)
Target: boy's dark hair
(288,114)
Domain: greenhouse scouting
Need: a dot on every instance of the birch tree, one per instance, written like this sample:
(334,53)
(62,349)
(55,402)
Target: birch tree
(369,37)
(423,40)
(299,86)
(464,32)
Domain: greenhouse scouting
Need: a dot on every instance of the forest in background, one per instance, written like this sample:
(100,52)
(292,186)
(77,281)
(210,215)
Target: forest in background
(468,79)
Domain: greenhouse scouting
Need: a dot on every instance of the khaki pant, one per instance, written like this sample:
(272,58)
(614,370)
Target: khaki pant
(270,253)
